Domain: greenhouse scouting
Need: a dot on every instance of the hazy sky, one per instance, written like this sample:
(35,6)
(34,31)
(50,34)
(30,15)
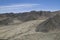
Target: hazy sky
(28,5)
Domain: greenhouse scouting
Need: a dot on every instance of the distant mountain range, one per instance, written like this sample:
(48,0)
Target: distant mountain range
(10,18)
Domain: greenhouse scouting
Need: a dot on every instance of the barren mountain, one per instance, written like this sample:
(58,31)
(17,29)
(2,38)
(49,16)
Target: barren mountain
(34,25)
(11,18)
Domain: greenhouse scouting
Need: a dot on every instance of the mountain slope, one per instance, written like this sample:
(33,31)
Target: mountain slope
(16,30)
(50,24)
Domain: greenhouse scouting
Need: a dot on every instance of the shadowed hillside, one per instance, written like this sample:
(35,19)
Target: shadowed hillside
(50,24)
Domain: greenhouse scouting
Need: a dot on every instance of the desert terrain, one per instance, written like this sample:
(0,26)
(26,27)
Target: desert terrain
(34,25)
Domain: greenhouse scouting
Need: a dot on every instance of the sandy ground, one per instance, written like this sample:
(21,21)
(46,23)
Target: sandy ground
(12,31)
